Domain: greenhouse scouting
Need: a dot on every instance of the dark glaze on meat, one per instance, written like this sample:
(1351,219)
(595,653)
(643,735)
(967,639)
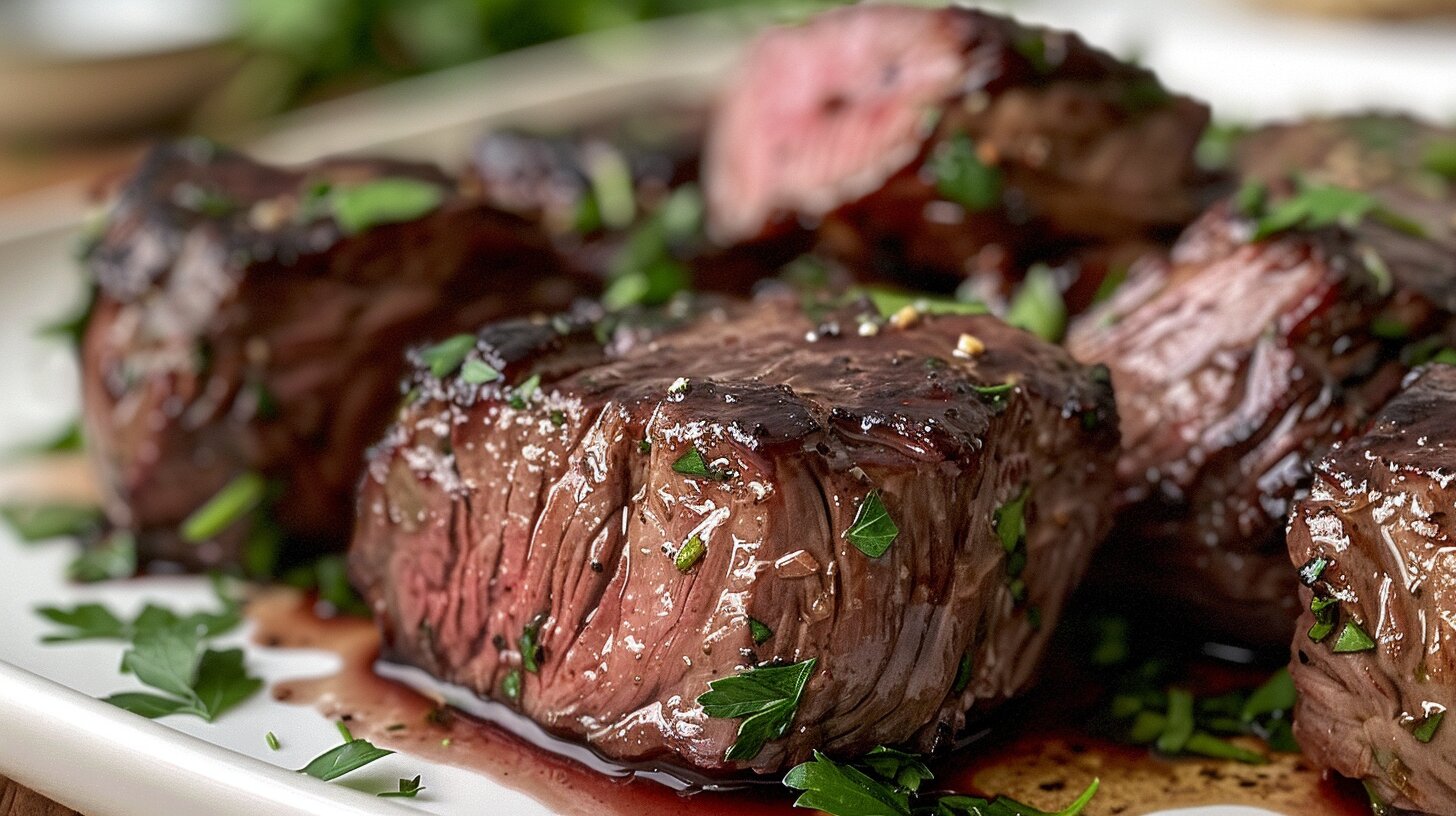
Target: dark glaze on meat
(839,123)
(1234,363)
(480,517)
(234,331)
(1379,513)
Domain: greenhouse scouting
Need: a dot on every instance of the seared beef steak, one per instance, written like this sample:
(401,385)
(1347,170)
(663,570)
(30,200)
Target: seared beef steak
(1407,164)
(947,143)
(250,324)
(1375,665)
(1234,362)
(595,533)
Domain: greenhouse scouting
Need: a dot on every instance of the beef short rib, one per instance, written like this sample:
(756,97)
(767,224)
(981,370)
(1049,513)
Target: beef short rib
(250,324)
(948,143)
(1374,664)
(592,523)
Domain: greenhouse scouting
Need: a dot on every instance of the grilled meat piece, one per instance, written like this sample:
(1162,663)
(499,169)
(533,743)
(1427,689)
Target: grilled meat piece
(694,499)
(1235,362)
(936,144)
(250,323)
(1374,660)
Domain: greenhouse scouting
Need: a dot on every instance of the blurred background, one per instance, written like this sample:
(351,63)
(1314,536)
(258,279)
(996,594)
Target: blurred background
(85,83)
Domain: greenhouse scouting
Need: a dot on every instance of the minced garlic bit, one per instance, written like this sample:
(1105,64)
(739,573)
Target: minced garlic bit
(905,318)
(679,386)
(969,346)
(869,328)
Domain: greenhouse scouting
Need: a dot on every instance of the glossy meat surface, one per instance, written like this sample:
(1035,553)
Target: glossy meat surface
(491,508)
(947,143)
(239,329)
(1374,539)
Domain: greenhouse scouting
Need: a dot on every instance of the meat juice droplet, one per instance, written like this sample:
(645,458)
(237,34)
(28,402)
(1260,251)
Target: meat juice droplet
(1036,758)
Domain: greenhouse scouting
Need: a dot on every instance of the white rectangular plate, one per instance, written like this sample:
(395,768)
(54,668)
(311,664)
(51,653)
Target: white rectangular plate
(57,738)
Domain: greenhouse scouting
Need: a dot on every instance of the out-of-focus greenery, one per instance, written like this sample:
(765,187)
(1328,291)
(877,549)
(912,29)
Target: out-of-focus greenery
(307,49)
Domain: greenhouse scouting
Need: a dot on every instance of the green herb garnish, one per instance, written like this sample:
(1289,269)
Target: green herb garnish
(475,372)
(38,522)
(91,621)
(530,644)
(873,531)
(1275,696)
(1178,727)
(890,301)
(111,556)
(1426,730)
(1038,306)
(766,699)
(690,553)
(511,685)
(1353,639)
(201,682)
(67,439)
(1326,612)
(961,176)
(1440,158)
(759,631)
(343,759)
(230,504)
(446,356)
(1312,569)
(693,463)
(272,740)
(382,201)
(646,271)
(523,392)
(886,782)
(408,789)
(1315,206)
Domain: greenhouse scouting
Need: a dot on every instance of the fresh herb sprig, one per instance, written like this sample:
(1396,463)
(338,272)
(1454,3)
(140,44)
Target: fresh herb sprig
(766,698)
(193,680)
(92,621)
(350,756)
(887,782)
(1315,206)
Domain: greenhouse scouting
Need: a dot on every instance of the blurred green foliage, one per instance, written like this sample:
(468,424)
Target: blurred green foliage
(306,49)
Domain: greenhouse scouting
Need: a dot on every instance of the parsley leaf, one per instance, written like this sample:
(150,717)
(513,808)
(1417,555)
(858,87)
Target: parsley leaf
(961,176)
(843,790)
(1426,730)
(1276,695)
(690,553)
(889,301)
(693,463)
(475,372)
(230,504)
(759,631)
(1038,306)
(906,770)
(523,392)
(1353,639)
(112,556)
(1315,206)
(383,201)
(89,621)
(873,531)
(204,683)
(408,789)
(766,699)
(38,522)
(446,356)
(343,759)
(645,271)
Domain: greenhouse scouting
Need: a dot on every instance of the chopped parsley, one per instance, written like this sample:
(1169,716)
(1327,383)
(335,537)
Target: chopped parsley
(890,301)
(511,685)
(475,372)
(111,556)
(887,782)
(1425,730)
(1038,306)
(690,553)
(1353,639)
(342,759)
(92,621)
(38,522)
(1218,144)
(1315,206)
(759,631)
(530,644)
(523,392)
(1326,613)
(193,680)
(1313,569)
(693,463)
(444,357)
(1440,158)
(646,271)
(961,176)
(873,531)
(408,789)
(272,740)
(234,501)
(383,201)
(765,698)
